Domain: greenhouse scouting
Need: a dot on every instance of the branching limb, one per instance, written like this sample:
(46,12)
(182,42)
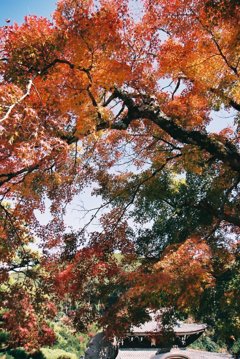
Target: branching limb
(11,108)
(213,145)
(8,176)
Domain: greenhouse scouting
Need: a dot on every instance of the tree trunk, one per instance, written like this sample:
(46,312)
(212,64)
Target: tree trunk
(100,348)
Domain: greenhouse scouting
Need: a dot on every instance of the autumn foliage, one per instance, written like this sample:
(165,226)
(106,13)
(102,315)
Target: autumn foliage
(119,96)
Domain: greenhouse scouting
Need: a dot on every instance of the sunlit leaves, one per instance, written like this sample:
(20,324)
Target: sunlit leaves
(31,46)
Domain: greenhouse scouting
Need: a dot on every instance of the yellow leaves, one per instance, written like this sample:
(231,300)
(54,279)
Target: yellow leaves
(193,159)
(235,92)
(177,182)
(86,122)
(57,179)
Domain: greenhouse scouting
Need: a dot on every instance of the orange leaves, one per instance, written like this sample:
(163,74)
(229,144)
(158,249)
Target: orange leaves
(90,34)
(30,47)
(87,120)
(200,43)
(10,95)
(71,11)
(172,58)
(190,109)
(180,277)
(189,269)
(111,73)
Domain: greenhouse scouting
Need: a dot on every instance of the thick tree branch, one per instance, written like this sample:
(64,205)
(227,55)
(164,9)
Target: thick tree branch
(234,105)
(212,145)
(8,176)
(66,62)
(220,150)
(231,102)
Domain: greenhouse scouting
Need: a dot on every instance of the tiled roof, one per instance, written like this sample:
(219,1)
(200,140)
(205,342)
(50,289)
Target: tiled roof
(154,325)
(184,328)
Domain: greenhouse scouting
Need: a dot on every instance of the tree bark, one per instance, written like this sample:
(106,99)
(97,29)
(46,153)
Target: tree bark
(221,150)
(100,347)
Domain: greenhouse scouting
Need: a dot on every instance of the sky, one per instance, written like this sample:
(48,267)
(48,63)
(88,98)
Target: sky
(15,10)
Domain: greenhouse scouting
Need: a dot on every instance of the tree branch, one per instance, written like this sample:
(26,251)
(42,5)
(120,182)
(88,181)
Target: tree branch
(8,176)
(11,108)
(213,145)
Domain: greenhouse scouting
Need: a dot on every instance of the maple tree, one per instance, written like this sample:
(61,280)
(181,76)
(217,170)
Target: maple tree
(103,97)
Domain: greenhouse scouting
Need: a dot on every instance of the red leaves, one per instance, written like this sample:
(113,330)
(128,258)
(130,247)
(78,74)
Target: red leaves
(30,47)
(87,265)
(21,321)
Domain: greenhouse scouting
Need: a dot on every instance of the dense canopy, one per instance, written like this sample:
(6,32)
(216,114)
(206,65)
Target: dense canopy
(125,97)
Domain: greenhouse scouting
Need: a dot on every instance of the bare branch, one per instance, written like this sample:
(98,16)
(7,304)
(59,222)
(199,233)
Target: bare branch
(11,108)
(176,88)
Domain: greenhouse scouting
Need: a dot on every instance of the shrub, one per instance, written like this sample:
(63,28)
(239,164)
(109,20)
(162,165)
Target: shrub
(69,341)
(18,353)
(37,355)
(236,348)
(6,356)
(206,343)
(57,354)
(3,337)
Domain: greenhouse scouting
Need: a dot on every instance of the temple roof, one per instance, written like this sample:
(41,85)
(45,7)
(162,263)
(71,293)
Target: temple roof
(155,326)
